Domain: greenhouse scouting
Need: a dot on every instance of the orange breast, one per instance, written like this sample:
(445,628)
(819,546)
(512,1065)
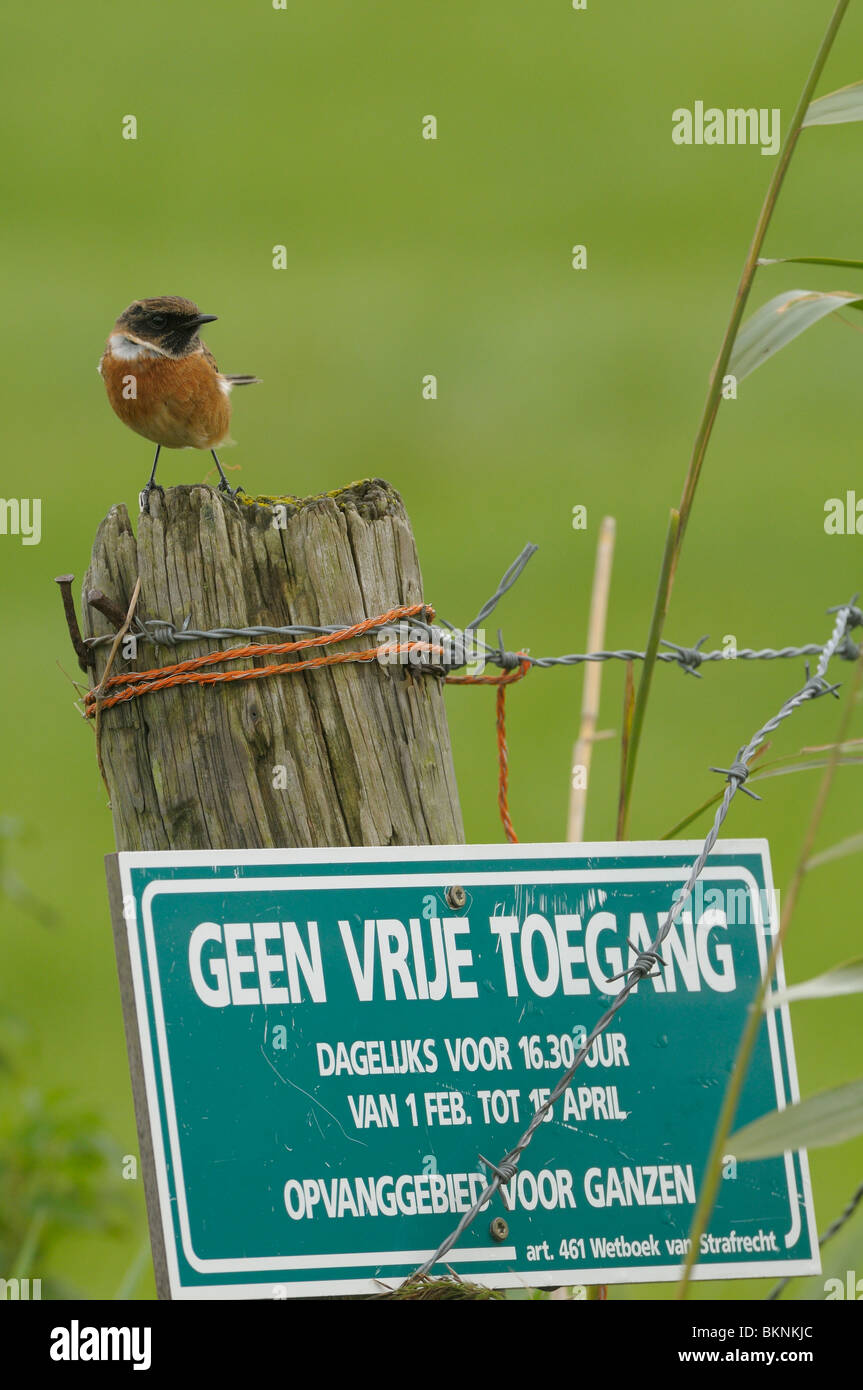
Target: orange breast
(176,402)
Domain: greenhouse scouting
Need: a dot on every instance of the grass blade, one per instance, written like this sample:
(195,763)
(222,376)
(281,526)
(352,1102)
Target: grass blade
(721,365)
(780,321)
(829,1117)
(842,979)
(837,107)
(810,260)
(660,609)
(852,845)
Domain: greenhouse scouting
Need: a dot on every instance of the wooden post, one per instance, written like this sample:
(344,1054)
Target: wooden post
(364,749)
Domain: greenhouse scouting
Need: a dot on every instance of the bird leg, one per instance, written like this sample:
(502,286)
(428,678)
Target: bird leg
(224,485)
(152,485)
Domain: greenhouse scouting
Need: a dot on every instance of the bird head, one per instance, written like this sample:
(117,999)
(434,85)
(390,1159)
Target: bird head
(169,324)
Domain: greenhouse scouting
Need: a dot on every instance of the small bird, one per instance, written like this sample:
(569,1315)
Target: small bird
(163,382)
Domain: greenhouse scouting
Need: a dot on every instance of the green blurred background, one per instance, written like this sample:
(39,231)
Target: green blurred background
(302,127)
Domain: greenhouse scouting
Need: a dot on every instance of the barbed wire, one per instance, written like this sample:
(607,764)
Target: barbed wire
(465,646)
(645,962)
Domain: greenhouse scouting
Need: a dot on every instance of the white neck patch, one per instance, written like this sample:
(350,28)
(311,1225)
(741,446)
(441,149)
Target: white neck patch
(129,350)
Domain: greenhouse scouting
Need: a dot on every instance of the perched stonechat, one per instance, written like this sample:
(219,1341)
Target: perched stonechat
(163,381)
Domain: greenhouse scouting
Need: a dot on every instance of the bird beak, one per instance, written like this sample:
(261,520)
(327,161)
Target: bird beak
(202,318)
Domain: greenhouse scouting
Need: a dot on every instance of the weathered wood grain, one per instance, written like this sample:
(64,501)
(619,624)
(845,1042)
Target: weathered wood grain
(365,747)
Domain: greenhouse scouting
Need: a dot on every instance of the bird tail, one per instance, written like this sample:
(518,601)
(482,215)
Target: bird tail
(241,380)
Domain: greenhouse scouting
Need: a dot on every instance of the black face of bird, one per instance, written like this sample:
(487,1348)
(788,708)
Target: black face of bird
(171,324)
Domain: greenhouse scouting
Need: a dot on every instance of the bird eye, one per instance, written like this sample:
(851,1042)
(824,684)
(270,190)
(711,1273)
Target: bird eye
(158,320)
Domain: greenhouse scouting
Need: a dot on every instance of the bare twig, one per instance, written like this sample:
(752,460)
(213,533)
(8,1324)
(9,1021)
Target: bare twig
(628,705)
(583,750)
(105,674)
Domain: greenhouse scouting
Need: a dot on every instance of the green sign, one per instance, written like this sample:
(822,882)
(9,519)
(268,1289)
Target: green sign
(324,1042)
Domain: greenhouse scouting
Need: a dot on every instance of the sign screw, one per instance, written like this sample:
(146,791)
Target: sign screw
(499,1229)
(456,896)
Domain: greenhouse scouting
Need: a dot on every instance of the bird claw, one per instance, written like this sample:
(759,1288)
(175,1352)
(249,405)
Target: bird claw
(230,491)
(144,495)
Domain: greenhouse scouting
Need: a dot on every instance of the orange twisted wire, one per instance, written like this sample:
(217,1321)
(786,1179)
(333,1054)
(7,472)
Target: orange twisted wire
(143,682)
(131,685)
(502,681)
(134,683)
